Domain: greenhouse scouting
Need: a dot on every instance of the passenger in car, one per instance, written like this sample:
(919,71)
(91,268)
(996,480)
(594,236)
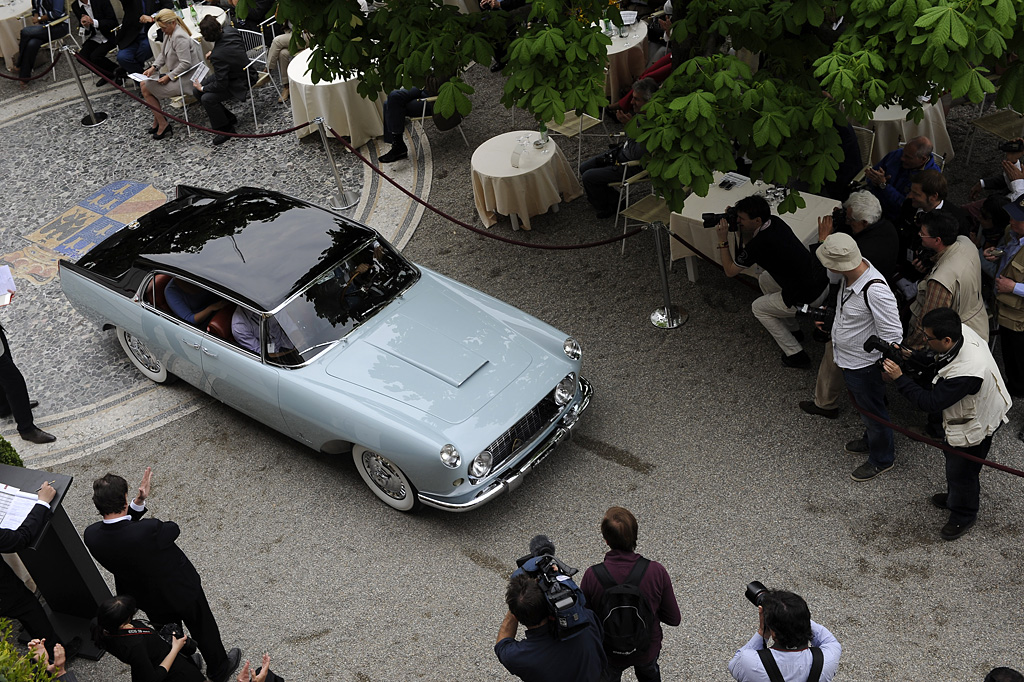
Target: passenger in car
(191,303)
(245,327)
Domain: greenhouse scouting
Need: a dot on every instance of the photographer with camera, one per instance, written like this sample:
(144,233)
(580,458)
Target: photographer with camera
(632,596)
(861,218)
(865,307)
(791,276)
(788,646)
(970,392)
(149,654)
(563,638)
(1011,180)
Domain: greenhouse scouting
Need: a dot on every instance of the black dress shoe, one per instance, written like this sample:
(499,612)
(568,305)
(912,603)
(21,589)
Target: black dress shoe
(810,407)
(222,138)
(100,82)
(32,404)
(396,154)
(38,436)
(939,500)
(168,132)
(229,667)
(952,531)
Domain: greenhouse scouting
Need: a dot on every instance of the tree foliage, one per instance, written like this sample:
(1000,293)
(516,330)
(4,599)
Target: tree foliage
(890,52)
(15,665)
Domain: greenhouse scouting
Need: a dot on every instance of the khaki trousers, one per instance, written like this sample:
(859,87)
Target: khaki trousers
(829,386)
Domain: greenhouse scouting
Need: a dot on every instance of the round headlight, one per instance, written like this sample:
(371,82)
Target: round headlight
(450,457)
(572,349)
(566,389)
(481,466)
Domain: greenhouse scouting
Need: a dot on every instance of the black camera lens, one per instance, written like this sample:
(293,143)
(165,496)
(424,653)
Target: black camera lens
(755,592)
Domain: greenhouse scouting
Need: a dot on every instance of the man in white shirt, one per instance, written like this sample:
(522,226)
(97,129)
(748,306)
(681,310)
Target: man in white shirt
(865,306)
(98,22)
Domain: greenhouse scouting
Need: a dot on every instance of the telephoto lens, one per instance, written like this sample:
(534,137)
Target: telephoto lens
(755,592)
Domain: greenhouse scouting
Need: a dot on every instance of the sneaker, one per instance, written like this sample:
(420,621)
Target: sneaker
(810,407)
(799,360)
(396,154)
(858,446)
(867,471)
(951,531)
(939,500)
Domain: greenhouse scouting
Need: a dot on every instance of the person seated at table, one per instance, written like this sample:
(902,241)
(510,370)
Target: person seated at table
(280,54)
(402,103)
(245,328)
(179,54)
(97,19)
(36,33)
(599,171)
(192,303)
(658,72)
(226,80)
(133,49)
(889,180)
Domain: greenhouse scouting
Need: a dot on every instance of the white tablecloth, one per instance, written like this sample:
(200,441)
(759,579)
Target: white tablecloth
(465,6)
(542,180)
(10,28)
(627,59)
(202,12)
(337,101)
(690,227)
(890,125)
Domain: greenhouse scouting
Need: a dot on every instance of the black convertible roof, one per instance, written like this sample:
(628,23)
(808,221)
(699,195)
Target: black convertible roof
(256,245)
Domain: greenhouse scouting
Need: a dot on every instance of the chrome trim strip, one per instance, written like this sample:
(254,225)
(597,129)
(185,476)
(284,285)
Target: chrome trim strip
(513,477)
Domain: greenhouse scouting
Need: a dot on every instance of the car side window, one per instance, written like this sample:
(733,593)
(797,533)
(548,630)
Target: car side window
(280,346)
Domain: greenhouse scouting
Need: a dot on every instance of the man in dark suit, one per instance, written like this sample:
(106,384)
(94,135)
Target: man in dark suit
(98,20)
(227,78)
(132,43)
(928,190)
(148,565)
(14,397)
(15,599)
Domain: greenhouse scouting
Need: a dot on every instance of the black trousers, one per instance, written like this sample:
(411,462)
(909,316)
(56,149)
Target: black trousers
(13,391)
(220,117)
(962,484)
(202,626)
(96,54)
(1013,360)
(17,602)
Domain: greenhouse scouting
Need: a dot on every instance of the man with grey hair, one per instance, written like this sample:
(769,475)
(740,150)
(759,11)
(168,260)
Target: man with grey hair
(879,244)
(889,180)
(598,172)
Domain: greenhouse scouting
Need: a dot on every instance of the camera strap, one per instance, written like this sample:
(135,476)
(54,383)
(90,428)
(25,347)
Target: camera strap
(771,668)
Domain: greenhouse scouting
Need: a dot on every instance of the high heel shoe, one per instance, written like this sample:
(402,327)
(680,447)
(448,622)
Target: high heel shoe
(168,132)
(152,131)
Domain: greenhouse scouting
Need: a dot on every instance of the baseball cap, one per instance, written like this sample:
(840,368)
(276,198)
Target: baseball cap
(1015,209)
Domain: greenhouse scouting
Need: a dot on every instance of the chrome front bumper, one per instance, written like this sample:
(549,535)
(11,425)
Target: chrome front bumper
(512,478)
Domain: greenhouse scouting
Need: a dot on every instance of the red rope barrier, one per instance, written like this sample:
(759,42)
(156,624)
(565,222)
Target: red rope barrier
(549,247)
(181,120)
(32,78)
(934,443)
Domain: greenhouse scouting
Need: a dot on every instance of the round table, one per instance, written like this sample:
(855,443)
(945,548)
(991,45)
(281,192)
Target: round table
(338,101)
(890,125)
(201,12)
(11,12)
(627,59)
(542,180)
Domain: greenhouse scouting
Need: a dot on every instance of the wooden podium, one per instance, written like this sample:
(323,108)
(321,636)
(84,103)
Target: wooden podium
(60,564)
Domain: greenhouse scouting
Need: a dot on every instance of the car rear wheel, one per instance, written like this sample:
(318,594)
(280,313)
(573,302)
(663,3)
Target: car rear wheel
(385,479)
(142,357)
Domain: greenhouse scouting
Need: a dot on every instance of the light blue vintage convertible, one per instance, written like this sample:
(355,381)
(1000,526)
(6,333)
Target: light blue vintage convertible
(313,324)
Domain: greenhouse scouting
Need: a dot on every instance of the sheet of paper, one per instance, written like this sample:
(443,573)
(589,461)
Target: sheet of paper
(16,506)
(736,179)
(140,77)
(200,73)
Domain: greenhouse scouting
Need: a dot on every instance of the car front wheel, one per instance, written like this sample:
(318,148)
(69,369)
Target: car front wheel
(385,479)
(142,357)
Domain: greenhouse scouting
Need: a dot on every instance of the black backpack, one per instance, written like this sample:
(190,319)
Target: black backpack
(624,613)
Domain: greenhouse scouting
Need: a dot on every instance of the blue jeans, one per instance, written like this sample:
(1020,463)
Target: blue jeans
(133,58)
(402,103)
(32,38)
(648,672)
(866,386)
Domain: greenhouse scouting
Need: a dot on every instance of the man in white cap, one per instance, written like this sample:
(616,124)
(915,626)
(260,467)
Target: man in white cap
(865,306)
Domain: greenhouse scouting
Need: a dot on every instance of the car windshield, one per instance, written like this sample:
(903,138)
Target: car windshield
(345,296)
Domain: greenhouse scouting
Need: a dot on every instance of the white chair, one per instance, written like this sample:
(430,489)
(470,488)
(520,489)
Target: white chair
(866,143)
(424,116)
(182,79)
(52,43)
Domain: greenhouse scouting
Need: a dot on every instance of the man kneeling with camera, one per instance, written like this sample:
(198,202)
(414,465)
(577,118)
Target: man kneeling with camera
(788,646)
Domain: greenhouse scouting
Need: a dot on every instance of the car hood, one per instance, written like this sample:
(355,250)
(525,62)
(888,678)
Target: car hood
(439,351)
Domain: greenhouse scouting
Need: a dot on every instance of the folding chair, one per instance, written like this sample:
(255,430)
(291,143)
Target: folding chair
(1005,124)
(651,209)
(424,116)
(52,43)
(573,126)
(866,143)
(182,79)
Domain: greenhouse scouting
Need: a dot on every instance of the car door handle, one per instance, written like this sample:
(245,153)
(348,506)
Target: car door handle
(194,344)
(207,351)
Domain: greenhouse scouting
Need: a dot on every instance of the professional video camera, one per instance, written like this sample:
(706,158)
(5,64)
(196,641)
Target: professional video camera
(564,598)
(1011,146)
(921,364)
(731,216)
(824,314)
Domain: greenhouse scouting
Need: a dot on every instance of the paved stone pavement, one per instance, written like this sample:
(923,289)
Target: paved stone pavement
(696,430)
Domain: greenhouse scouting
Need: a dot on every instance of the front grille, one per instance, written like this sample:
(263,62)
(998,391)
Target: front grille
(523,431)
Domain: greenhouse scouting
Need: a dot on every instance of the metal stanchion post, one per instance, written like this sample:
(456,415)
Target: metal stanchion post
(93,118)
(344,198)
(667,317)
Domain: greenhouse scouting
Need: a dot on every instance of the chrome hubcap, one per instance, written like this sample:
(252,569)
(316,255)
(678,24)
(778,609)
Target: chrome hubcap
(142,354)
(384,475)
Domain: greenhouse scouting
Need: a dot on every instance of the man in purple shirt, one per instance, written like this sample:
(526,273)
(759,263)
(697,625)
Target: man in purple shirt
(619,529)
